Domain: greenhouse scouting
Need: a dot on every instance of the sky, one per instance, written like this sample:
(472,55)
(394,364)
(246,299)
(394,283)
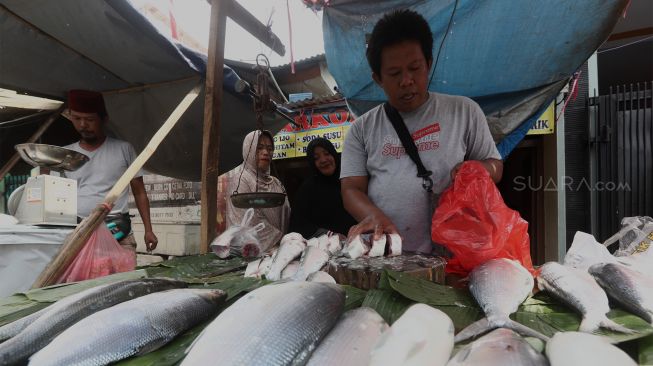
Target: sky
(193,17)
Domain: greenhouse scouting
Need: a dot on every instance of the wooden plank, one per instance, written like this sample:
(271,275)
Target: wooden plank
(252,25)
(365,272)
(35,136)
(211,132)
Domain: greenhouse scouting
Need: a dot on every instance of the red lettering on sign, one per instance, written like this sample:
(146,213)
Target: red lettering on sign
(319,121)
(338,118)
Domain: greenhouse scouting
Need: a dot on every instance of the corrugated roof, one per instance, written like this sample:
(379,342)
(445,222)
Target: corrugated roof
(317,102)
(302,63)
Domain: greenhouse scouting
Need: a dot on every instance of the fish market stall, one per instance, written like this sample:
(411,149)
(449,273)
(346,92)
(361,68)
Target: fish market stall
(396,293)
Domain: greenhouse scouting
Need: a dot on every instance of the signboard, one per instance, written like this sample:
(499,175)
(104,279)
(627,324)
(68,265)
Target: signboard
(292,141)
(545,124)
(171,200)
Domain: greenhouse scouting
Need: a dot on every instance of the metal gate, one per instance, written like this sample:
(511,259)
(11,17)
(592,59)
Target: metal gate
(621,157)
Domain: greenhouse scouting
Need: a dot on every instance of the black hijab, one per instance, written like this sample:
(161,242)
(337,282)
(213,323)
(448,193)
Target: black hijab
(318,203)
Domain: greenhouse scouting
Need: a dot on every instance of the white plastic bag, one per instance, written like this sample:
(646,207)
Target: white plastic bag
(239,240)
(635,236)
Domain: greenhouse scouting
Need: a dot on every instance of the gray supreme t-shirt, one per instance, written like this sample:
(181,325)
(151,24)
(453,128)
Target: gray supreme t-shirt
(96,178)
(447,130)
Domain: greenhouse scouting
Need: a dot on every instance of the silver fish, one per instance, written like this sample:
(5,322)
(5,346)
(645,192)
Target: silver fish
(394,245)
(335,246)
(72,309)
(423,335)
(583,349)
(499,287)
(287,252)
(378,247)
(501,347)
(321,276)
(11,329)
(277,324)
(580,291)
(130,328)
(290,270)
(313,259)
(349,343)
(632,289)
(357,246)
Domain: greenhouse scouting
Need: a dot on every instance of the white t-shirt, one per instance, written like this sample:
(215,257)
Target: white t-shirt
(447,130)
(96,178)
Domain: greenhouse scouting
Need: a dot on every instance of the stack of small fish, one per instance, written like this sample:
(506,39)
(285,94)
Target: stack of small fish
(315,253)
(108,323)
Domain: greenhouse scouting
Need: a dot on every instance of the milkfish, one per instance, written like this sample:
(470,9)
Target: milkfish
(357,246)
(350,342)
(501,347)
(321,276)
(394,245)
(130,328)
(72,309)
(287,252)
(499,287)
(378,247)
(277,324)
(583,349)
(312,260)
(421,336)
(632,289)
(9,330)
(579,290)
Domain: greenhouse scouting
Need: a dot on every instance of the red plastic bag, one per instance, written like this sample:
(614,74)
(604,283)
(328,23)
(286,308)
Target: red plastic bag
(474,223)
(100,256)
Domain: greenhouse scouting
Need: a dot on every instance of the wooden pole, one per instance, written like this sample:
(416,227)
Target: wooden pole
(76,240)
(35,136)
(211,135)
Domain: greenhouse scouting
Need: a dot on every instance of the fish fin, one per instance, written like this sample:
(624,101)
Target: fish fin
(524,330)
(473,330)
(609,324)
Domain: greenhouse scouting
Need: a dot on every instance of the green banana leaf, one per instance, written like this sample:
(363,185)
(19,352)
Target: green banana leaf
(353,297)
(389,304)
(645,346)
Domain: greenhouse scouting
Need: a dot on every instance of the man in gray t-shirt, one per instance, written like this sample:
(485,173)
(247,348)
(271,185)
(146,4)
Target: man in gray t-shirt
(380,187)
(109,159)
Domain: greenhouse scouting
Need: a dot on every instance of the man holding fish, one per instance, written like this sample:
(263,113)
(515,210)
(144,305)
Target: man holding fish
(380,188)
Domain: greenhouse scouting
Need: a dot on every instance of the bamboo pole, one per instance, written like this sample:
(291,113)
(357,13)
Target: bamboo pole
(76,240)
(35,136)
(211,132)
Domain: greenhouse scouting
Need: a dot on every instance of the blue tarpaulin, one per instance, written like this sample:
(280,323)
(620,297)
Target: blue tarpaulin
(512,57)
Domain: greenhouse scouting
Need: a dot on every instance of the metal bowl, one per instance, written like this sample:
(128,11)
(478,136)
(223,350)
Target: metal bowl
(258,199)
(52,157)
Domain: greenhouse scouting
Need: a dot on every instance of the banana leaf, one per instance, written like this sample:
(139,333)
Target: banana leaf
(354,297)
(197,268)
(645,346)
(389,304)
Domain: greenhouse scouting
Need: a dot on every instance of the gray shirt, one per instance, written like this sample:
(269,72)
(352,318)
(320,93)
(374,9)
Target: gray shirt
(96,178)
(447,130)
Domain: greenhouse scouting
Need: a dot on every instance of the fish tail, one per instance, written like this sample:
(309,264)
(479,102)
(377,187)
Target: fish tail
(474,329)
(609,324)
(524,330)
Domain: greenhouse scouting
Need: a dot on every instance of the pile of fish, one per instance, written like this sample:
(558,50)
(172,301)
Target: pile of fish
(313,255)
(239,240)
(107,323)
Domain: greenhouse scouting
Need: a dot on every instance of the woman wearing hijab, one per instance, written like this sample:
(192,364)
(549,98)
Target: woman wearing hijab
(253,175)
(317,207)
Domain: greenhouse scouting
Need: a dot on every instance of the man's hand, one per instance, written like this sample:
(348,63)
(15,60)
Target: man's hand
(377,223)
(150,241)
